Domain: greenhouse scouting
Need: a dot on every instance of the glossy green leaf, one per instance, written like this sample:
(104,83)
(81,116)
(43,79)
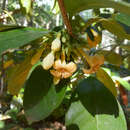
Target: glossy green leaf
(123,18)
(96,109)
(41,97)
(124,83)
(78,118)
(75,7)
(18,37)
(112,57)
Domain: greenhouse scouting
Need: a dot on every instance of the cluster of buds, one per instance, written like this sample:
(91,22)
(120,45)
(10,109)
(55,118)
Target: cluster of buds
(61,69)
(48,61)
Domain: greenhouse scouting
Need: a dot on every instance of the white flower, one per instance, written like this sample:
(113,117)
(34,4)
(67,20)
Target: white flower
(48,61)
(56,45)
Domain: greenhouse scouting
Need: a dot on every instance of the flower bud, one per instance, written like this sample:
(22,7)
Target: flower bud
(48,61)
(56,45)
(63,39)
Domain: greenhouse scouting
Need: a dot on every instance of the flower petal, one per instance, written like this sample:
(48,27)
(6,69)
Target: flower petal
(71,67)
(58,64)
(66,75)
(55,73)
(87,71)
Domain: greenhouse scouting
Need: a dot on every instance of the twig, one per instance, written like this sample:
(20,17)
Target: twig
(65,16)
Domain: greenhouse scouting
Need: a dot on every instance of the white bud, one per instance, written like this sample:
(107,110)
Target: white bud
(63,39)
(48,61)
(56,45)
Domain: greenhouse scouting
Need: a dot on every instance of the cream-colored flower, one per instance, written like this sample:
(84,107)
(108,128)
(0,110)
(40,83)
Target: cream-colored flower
(48,61)
(63,70)
(56,45)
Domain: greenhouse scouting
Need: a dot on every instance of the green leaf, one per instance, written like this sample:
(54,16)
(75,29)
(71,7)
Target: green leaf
(18,37)
(106,80)
(41,97)
(124,83)
(73,7)
(123,18)
(78,118)
(97,108)
(112,26)
(8,27)
(112,57)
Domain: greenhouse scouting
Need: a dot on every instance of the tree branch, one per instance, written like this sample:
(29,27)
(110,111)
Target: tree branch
(65,16)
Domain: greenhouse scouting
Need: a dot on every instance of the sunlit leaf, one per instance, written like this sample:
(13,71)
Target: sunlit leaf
(41,96)
(79,118)
(96,109)
(106,80)
(124,83)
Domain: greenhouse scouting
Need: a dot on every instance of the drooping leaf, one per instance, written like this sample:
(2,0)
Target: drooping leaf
(75,7)
(41,96)
(123,18)
(112,57)
(18,37)
(97,108)
(124,83)
(17,75)
(106,80)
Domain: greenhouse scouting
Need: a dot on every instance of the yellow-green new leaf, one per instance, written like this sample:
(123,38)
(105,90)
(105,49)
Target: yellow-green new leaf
(106,80)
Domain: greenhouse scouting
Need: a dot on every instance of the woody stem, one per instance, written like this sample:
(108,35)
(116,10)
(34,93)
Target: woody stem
(65,16)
